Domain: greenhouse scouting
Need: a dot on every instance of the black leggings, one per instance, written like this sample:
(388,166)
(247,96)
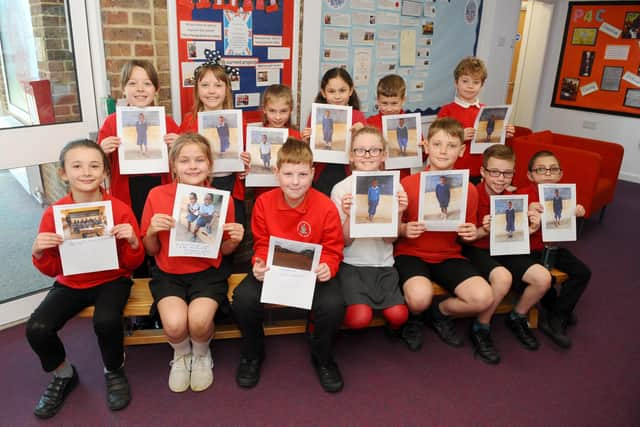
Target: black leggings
(63,303)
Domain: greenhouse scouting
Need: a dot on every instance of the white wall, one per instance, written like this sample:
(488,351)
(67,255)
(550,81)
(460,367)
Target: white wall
(621,129)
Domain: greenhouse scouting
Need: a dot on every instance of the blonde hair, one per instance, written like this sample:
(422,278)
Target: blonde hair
(471,66)
(184,140)
(275,92)
(451,126)
(369,130)
(220,74)
(296,152)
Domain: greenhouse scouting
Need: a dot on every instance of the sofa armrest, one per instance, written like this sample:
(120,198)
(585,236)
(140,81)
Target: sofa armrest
(611,152)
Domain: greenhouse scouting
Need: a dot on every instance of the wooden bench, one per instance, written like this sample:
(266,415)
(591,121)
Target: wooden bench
(140,302)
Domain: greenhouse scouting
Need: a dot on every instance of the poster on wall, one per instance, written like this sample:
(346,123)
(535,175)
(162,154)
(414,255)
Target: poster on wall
(599,67)
(371,39)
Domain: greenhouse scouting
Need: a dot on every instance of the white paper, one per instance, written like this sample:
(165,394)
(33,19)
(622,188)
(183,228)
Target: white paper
(278,53)
(223,130)
(629,77)
(359,18)
(558,220)
(443,199)
(491,127)
(199,221)
(363,36)
(336,36)
(335,54)
(617,52)
(374,210)
(412,7)
(386,49)
(363,4)
(509,234)
(361,68)
(200,30)
(589,88)
(267,40)
(142,132)
(247,99)
(195,49)
(610,30)
(86,229)
(238,30)
(266,76)
(403,133)
(338,20)
(330,133)
(263,144)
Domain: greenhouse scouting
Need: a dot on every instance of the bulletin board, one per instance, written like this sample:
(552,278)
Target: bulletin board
(256,36)
(599,67)
(420,40)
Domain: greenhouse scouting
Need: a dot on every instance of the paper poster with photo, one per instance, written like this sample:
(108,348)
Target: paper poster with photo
(558,221)
(330,133)
(223,130)
(142,132)
(374,207)
(263,144)
(491,127)
(200,213)
(403,133)
(291,278)
(88,245)
(509,233)
(443,199)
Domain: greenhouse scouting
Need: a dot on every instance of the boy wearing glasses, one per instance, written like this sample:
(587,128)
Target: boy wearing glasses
(544,168)
(532,280)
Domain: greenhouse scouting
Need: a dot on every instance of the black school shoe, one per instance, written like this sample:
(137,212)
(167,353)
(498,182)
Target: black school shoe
(328,375)
(555,328)
(53,397)
(446,330)
(521,330)
(248,373)
(483,346)
(411,334)
(118,391)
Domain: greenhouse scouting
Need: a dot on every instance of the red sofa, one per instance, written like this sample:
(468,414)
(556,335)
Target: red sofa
(591,164)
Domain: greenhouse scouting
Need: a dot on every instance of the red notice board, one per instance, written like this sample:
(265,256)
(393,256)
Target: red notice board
(599,67)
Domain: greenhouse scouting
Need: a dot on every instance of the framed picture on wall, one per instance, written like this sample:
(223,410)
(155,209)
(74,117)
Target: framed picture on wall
(632,98)
(611,78)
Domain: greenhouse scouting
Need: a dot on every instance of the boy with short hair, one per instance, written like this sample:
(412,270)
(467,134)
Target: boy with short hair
(422,255)
(469,77)
(544,168)
(293,211)
(532,280)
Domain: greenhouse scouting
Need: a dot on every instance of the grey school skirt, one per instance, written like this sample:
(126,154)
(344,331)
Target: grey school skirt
(376,287)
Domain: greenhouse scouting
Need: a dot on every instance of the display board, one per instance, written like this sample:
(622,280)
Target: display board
(599,67)
(420,40)
(256,36)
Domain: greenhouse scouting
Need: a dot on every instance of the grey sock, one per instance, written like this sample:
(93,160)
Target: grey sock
(64,371)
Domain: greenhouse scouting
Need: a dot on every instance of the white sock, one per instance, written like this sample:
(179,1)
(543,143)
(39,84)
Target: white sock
(200,348)
(181,348)
(64,371)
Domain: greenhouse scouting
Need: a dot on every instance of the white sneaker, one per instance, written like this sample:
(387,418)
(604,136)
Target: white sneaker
(180,374)
(201,372)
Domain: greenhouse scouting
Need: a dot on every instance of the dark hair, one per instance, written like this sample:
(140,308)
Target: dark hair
(536,156)
(343,74)
(391,85)
(147,66)
(498,151)
(85,143)
(194,195)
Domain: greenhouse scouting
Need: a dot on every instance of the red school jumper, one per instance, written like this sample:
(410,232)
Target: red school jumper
(128,259)
(431,246)
(119,184)
(466,114)
(160,200)
(315,220)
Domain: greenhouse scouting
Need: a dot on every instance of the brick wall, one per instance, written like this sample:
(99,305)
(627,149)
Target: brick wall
(136,29)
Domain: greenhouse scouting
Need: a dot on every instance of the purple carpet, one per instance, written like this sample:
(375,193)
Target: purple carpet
(596,383)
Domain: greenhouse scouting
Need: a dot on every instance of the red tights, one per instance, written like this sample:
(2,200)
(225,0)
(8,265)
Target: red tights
(358,316)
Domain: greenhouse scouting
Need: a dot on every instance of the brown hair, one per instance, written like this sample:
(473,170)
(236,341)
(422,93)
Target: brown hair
(147,66)
(274,92)
(220,74)
(369,130)
(86,143)
(449,125)
(186,139)
(498,151)
(536,156)
(391,85)
(296,152)
(470,66)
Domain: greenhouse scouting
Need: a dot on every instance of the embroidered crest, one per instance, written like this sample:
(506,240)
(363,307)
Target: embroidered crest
(304,229)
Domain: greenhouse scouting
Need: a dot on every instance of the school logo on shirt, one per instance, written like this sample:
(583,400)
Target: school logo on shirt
(304,229)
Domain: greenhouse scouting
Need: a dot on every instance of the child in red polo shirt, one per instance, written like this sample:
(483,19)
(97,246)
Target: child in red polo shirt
(532,280)
(294,211)
(187,291)
(469,77)
(422,255)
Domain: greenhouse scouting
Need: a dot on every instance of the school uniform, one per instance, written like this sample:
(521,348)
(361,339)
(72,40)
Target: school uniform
(107,290)
(315,220)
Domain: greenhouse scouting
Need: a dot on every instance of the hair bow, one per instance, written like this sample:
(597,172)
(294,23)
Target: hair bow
(214,57)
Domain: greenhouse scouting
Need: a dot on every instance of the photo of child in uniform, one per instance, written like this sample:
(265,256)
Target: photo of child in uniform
(374,199)
(443,197)
(508,220)
(83,223)
(264,144)
(402,136)
(555,200)
(222,132)
(290,258)
(327,128)
(142,137)
(199,222)
(490,125)
(331,128)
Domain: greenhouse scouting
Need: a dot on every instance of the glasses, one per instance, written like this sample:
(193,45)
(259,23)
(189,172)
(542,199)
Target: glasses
(497,172)
(554,170)
(373,152)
